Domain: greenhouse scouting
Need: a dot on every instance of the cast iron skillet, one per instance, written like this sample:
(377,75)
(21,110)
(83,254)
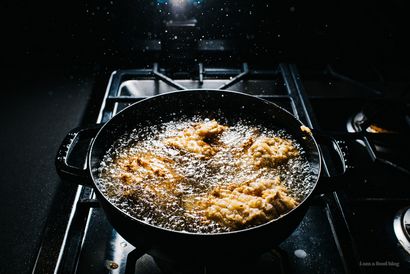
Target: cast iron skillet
(168,244)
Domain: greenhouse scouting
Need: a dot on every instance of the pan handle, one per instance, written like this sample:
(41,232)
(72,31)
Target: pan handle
(66,171)
(340,148)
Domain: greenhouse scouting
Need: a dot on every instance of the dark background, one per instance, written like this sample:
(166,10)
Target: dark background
(105,32)
(56,55)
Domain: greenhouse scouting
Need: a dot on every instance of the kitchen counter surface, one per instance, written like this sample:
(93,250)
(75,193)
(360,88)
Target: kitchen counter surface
(38,107)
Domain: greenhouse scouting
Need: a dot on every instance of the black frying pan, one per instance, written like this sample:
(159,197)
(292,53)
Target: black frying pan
(231,106)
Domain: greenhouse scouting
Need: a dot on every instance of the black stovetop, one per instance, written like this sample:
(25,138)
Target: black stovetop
(348,231)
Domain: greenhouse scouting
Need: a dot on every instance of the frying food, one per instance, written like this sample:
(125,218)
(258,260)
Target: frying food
(202,176)
(139,171)
(141,167)
(239,205)
(198,139)
(272,151)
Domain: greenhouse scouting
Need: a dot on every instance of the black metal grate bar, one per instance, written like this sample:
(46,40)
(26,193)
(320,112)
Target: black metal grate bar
(350,80)
(201,73)
(166,79)
(239,77)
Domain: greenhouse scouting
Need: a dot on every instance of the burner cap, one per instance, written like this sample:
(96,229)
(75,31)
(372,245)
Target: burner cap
(382,117)
(401,227)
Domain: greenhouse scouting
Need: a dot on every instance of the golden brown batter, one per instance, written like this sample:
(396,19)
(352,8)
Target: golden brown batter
(269,152)
(250,203)
(198,139)
(150,173)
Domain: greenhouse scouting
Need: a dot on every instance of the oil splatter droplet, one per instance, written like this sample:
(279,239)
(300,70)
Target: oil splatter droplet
(300,253)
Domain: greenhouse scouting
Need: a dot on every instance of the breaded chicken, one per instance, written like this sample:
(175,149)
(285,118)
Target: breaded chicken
(250,203)
(199,139)
(148,172)
(269,152)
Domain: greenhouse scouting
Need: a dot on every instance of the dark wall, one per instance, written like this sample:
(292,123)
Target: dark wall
(307,32)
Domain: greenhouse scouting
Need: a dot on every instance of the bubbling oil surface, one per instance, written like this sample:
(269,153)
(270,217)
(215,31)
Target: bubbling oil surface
(200,175)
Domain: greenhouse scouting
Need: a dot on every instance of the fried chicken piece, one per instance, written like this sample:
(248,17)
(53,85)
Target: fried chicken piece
(209,130)
(248,143)
(305,129)
(269,152)
(199,139)
(145,166)
(148,173)
(249,203)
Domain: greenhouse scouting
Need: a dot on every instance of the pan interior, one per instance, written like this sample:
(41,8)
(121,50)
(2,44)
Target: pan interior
(299,177)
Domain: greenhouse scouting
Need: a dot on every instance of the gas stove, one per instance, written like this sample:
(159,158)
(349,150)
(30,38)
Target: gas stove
(362,228)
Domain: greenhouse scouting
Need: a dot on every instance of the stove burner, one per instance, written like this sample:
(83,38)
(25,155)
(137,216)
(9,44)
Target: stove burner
(381,117)
(387,117)
(401,227)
